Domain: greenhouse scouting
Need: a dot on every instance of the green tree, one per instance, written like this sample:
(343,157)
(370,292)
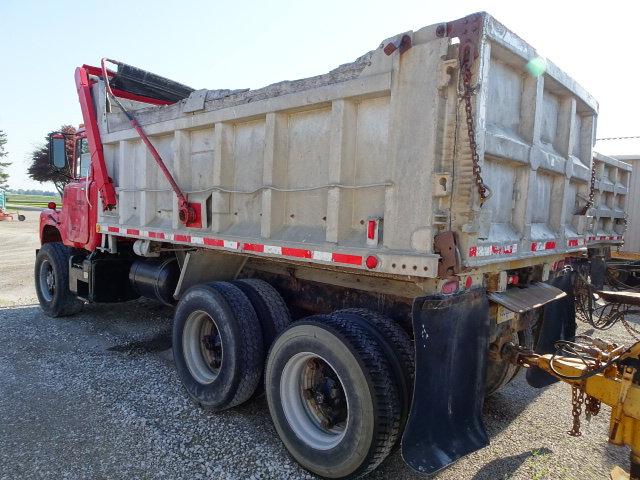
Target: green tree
(4,176)
(41,169)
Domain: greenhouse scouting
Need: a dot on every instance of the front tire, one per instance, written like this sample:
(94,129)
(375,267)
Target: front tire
(332,397)
(52,281)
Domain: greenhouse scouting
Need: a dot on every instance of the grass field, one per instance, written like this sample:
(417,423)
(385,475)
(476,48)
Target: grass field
(17,201)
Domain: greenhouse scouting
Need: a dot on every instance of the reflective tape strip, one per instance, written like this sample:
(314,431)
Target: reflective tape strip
(296,252)
(576,242)
(293,252)
(346,258)
(253,247)
(322,256)
(487,250)
(230,244)
(273,250)
(541,246)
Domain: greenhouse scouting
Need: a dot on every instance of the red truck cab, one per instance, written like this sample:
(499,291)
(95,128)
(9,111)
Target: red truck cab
(74,223)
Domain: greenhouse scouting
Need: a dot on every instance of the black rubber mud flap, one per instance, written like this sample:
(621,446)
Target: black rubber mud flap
(451,343)
(558,323)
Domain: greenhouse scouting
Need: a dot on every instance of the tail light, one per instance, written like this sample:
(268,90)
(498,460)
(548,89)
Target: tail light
(371,262)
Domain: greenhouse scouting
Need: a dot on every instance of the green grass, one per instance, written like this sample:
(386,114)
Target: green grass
(35,201)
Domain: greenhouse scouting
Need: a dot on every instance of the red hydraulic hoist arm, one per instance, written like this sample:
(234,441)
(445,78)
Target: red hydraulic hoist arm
(100,175)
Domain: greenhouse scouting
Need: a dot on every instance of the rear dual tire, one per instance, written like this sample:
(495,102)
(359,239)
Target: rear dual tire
(334,396)
(221,334)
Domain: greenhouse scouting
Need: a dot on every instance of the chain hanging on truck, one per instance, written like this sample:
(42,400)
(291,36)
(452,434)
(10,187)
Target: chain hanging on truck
(188,213)
(592,189)
(465,65)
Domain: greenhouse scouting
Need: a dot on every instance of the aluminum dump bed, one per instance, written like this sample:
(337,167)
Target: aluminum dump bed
(371,160)
(610,197)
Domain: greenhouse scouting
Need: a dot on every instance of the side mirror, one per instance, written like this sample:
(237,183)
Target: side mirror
(58,151)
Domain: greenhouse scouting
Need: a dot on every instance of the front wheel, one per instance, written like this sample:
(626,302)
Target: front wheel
(52,281)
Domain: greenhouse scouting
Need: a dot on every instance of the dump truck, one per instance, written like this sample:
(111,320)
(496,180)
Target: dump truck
(361,246)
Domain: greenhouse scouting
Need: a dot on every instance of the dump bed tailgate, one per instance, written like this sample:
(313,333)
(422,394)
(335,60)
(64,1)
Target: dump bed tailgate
(535,128)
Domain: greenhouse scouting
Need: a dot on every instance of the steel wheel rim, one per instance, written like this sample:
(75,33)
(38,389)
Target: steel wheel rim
(306,416)
(47,281)
(202,347)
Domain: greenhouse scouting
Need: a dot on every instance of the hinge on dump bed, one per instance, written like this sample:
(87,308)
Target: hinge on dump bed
(446,246)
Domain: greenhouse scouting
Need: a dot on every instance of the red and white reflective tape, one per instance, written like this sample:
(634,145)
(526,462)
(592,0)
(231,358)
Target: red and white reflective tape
(289,252)
(576,242)
(488,250)
(542,246)
(599,238)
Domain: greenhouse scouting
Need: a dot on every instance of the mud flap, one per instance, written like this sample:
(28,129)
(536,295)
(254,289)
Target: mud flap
(558,323)
(451,344)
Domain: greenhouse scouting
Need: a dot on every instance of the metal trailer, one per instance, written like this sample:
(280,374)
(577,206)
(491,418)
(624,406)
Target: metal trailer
(414,211)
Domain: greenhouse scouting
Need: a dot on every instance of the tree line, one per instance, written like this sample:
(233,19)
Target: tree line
(40,169)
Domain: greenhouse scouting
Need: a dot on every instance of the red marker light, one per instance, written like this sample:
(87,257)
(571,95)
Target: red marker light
(468,283)
(51,205)
(371,229)
(450,287)
(371,262)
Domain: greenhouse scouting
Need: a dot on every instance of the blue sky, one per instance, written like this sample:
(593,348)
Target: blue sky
(223,44)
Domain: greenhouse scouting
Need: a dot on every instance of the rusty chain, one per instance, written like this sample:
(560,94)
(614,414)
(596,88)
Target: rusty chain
(634,332)
(577,399)
(591,407)
(483,190)
(592,189)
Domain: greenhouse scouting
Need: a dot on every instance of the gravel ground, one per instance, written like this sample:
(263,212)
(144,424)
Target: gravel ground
(96,396)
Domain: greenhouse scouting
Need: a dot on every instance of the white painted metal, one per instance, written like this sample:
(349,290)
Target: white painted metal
(305,164)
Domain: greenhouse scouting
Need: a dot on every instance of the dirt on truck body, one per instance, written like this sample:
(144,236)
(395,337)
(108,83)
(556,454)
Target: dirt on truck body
(414,211)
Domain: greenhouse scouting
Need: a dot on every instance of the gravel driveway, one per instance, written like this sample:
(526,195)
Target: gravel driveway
(96,396)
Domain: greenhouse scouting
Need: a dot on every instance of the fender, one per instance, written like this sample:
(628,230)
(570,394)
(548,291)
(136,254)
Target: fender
(50,226)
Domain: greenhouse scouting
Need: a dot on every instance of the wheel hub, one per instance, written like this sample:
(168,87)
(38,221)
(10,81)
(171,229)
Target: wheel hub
(47,281)
(202,347)
(314,401)
(50,281)
(212,344)
(325,399)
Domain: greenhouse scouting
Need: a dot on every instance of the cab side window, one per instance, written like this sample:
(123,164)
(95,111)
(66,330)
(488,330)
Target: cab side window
(83,159)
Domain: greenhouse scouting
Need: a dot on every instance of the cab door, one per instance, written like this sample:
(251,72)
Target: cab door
(76,195)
